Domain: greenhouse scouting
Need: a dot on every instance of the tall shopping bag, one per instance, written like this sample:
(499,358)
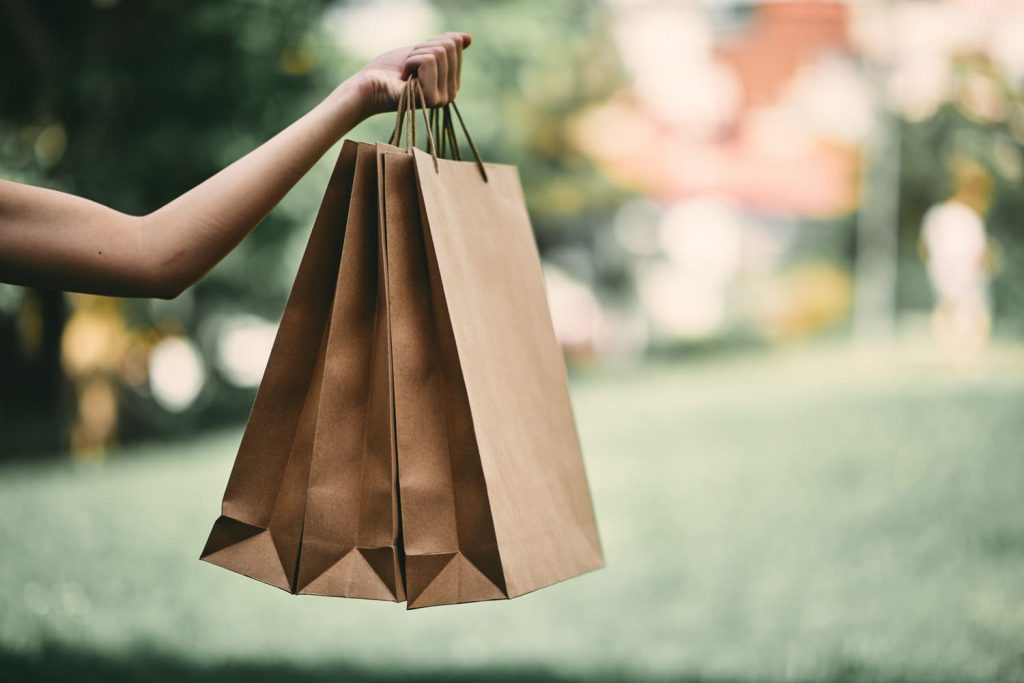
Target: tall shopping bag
(311,506)
(259,531)
(350,536)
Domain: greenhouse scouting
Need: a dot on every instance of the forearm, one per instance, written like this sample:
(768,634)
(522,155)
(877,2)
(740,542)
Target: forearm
(61,241)
(188,236)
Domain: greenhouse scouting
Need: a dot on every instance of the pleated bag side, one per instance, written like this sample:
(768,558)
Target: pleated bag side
(259,531)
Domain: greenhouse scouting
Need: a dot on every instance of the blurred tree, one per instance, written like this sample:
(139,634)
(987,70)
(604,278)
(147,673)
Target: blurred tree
(533,68)
(130,104)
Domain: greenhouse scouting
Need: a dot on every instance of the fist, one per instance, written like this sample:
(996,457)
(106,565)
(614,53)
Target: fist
(437,63)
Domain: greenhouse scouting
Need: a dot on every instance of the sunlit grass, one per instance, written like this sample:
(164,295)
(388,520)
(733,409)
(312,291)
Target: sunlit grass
(820,514)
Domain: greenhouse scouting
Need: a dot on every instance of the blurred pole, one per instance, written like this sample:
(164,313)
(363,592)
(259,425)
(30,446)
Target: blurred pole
(875,262)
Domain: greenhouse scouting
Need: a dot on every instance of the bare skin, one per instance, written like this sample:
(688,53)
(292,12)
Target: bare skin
(54,240)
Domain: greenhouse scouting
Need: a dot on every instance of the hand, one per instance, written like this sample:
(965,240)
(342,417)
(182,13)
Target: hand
(437,63)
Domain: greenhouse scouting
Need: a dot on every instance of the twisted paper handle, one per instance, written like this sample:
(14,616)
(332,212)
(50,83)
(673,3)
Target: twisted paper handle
(439,117)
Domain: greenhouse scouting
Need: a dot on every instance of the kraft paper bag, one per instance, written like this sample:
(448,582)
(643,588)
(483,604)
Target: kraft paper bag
(451,553)
(413,437)
(494,497)
(338,507)
(259,532)
(350,535)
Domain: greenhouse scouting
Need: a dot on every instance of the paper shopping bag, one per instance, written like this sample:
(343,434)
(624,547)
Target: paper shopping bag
(493,493)
(350,536)
(333,514)
(413,437)
(259,531)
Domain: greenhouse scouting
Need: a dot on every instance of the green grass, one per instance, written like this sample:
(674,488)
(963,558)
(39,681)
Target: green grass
(814,515)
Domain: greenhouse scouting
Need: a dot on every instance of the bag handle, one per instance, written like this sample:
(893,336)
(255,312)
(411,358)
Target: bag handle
(407,108)
(444,131)
(404,111)
(407,105)
(418,87)
(449,130)
(441,118)
(465,131)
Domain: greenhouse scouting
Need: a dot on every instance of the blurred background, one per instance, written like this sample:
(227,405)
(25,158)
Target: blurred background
(784,251)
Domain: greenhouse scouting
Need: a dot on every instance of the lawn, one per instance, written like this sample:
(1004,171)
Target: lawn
(815,514)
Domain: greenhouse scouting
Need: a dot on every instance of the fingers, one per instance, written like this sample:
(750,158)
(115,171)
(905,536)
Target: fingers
(439,88)
(462,41)
(458,42)
(424,66)
(438,65)
(451,76)
(422,62)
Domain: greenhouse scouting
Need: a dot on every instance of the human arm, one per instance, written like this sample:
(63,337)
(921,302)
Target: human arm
(56,240)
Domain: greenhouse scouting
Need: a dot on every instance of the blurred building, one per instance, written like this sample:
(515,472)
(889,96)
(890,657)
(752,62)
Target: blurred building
(788,151)
(738,124)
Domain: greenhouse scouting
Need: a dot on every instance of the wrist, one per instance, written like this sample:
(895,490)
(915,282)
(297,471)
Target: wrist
(352,97)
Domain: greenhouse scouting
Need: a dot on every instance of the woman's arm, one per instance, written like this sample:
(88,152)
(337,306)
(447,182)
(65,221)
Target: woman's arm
(55,240)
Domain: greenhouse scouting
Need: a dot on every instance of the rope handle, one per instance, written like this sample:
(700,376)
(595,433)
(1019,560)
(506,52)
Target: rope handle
(439,125)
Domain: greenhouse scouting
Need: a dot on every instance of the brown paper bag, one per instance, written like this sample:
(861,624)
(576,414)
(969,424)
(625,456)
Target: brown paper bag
(434,455)
(350,535)
(259,531)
